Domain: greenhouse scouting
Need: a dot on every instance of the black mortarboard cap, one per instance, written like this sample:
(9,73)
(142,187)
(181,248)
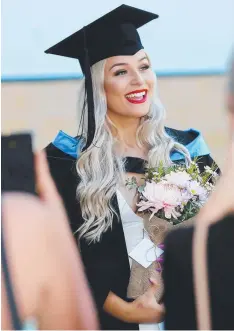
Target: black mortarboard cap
(113,34)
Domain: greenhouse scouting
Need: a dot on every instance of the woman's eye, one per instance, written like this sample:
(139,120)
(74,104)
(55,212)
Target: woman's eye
(120,72)
(145,67)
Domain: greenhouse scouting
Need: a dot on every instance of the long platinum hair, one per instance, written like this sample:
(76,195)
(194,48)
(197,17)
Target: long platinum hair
(101,170)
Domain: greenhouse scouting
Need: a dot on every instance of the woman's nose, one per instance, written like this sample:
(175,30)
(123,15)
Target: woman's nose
(137,79)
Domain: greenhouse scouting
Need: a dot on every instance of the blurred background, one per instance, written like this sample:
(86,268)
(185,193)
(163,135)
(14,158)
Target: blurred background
(188,46)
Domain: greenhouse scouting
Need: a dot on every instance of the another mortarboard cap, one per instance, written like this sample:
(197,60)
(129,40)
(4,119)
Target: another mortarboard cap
(113,34)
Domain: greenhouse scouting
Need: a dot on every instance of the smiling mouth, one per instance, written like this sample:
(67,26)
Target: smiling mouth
(138,96)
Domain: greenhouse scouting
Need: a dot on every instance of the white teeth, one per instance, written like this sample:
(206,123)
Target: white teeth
(136,95)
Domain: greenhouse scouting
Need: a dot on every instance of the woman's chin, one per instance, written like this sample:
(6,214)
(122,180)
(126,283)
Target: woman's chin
(138,111)
(131,110)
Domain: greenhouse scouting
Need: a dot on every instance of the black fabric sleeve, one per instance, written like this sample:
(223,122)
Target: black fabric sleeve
(178,281)
(221,273)
(100,283)
(179,297)
(60,166)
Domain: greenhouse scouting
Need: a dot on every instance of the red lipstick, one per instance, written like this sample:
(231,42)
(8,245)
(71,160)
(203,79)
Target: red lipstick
(137,96)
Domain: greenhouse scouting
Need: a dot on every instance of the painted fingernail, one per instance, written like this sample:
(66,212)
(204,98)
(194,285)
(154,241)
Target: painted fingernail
(162,246)
(159,259)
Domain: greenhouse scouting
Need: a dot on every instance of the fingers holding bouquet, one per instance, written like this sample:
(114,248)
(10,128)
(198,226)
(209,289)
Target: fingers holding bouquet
(147,303)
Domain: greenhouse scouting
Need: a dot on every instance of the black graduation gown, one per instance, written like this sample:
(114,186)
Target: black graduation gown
(106,263)
(178,277)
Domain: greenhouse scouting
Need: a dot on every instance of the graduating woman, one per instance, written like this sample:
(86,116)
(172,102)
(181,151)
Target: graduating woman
(122,129)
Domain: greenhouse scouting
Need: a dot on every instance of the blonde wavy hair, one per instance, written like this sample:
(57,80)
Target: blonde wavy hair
(101,170)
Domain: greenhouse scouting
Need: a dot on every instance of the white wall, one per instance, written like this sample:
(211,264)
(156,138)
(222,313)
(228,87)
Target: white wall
(189,36)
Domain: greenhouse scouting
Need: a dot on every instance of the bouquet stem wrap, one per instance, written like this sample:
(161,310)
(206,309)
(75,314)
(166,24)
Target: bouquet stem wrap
(157,229)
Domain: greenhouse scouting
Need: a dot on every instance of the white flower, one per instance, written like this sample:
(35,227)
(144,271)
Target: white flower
(209,187)
(208,170)
(186,196)
(195,188)
(179,179)
(161,196)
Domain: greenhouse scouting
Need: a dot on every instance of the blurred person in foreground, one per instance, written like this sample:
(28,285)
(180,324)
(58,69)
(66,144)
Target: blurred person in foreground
(199,263)
(46,273)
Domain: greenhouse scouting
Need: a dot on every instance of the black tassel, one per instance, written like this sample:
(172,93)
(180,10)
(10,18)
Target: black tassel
(89,95)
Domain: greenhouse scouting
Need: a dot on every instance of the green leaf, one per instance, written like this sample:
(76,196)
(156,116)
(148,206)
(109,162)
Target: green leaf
(141,188)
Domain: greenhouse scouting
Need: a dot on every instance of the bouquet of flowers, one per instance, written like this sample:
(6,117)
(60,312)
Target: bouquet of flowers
(170,197)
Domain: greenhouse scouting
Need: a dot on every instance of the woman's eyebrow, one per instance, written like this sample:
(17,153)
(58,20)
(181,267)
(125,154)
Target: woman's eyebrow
(124,64)
(118,64)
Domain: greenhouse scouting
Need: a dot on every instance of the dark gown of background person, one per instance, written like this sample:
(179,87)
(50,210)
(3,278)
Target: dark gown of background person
(106,262)
(178,277)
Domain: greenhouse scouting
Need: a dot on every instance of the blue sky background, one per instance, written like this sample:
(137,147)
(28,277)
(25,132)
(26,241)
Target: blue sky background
(189,36)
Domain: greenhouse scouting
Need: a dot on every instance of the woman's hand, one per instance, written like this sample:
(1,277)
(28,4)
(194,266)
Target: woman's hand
(146,308)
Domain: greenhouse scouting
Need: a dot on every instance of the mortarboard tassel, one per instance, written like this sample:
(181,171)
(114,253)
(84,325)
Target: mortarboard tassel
(89,95)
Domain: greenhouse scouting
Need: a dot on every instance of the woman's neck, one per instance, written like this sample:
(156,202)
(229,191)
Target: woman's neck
(126,134)
(126,129)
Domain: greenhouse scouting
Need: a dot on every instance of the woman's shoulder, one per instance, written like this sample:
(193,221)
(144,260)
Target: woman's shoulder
(64,147)
(62,154)
(183,136)
(192,139)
